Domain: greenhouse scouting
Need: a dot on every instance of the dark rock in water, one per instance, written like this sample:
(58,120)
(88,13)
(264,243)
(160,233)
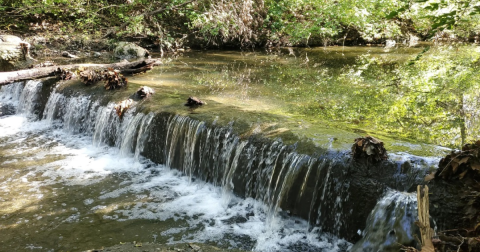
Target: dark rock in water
(194,101)
(144,92)
(6,109)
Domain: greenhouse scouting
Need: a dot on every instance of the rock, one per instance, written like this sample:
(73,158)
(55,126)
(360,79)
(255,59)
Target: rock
(390,43)
(194,101)
(126,50)
(14,53)
(68,55)
(97,54)
(10,39)
(6,109)
(195,248)
(144,92)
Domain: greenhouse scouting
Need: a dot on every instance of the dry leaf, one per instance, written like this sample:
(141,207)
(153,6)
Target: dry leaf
(463,160)
(462,174)
(430,176)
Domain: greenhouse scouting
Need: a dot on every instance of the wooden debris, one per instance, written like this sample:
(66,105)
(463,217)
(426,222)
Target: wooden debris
(458,164)
(370,148)
(65,74)
(113,79)
(142,69)
(462,168)
(424,219)
(122,106)
(90,77)
(194,101)
(144,92)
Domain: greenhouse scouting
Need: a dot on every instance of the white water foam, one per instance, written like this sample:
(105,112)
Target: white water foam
(161,193)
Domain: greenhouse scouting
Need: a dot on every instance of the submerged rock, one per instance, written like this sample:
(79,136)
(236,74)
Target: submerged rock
(194,101)
(127,50)
(14,53)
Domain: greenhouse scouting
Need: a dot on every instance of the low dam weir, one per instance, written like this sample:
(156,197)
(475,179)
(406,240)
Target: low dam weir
(318,201)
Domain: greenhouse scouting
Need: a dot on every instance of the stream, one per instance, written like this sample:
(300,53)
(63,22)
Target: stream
(251,170)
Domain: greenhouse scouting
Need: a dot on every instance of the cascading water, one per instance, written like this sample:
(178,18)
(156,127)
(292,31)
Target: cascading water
(390,224)
(277,183)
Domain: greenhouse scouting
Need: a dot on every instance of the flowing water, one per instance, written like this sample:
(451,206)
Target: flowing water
(63,188)
(235,173)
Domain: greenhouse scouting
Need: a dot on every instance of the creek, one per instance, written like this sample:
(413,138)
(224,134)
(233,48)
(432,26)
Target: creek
(251,170)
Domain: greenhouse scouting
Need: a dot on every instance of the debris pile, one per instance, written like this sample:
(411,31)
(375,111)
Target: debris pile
(370,148)
(90,77)
(462,170)
(64,74)
(113,79)
(122,106)
(458,164)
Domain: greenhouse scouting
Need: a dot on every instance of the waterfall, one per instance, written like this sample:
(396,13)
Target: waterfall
(322,189)
(390,224)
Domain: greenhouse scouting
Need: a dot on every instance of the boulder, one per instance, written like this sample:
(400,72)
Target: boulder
(14,53)
(126,50)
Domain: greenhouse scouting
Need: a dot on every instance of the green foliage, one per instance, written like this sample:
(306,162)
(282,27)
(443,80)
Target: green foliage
(252,22)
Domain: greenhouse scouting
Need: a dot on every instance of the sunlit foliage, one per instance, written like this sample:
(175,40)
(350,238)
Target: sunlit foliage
(252,22)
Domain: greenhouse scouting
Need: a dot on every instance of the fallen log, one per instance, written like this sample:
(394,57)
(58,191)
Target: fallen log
(143,69)
(35,73)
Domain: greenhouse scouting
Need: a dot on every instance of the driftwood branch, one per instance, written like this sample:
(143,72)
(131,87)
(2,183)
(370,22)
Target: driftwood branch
(35,73)
(424,219)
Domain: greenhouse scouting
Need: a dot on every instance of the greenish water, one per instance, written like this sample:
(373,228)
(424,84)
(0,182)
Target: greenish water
(328,96)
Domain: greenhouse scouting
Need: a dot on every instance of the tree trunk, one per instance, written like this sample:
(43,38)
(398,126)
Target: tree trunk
(35,73)
(424,219)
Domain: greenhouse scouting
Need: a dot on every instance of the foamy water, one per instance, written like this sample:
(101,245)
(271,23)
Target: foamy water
(38,157)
